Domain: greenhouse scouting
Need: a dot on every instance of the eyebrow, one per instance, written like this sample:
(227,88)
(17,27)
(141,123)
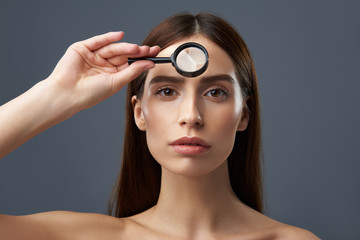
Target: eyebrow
(176,79)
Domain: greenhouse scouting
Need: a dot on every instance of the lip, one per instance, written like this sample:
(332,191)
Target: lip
(190,145)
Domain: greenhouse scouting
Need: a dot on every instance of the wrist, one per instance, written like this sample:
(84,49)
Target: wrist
(56,102)
(39,108)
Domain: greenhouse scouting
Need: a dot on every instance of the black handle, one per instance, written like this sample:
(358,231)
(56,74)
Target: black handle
(155,60)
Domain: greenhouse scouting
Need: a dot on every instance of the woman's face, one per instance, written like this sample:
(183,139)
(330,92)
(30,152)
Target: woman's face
(191,123)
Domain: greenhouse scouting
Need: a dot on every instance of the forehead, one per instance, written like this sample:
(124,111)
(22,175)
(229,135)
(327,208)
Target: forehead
(219,61)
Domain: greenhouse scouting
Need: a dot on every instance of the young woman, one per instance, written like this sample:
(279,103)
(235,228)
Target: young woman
(191,161)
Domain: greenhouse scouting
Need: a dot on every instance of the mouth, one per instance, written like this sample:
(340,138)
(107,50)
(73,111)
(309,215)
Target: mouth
(190,141)
(190,146)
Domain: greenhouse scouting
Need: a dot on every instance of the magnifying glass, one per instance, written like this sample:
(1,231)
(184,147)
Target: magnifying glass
(189,59)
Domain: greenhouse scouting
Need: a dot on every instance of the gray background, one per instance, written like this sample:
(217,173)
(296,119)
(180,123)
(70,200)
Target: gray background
(306,55)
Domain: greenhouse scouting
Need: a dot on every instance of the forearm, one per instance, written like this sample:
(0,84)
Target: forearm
(89,72)
(34,111)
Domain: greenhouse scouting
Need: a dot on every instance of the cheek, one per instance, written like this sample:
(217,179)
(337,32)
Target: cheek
(153,116)
(223,124)
(158,119)
(226,116)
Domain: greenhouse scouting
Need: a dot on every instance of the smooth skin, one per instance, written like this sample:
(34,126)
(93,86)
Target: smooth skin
(196,200)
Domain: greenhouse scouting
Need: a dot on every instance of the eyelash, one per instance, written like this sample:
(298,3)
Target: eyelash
(160,92)
(223,91)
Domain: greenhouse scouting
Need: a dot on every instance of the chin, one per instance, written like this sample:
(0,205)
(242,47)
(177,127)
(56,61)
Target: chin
(190,167)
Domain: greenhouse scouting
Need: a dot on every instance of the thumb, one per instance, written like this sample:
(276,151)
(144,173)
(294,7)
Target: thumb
(123,77)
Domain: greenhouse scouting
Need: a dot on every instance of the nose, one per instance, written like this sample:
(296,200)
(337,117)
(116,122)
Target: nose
(189,114)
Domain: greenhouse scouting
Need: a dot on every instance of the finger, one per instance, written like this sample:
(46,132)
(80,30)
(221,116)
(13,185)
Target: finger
(154,51)
(89,57)
(100,41)
(120,60)
(116,49)
(121,67)
(146,51)
(121,78)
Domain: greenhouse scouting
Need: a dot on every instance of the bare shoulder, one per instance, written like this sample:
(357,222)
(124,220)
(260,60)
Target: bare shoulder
(60,225)
(294,233)
(264,227)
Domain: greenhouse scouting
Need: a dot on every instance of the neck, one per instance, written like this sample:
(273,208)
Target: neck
(198,204)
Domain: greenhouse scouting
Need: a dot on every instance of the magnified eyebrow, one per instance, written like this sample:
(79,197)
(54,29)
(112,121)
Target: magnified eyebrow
(208,79)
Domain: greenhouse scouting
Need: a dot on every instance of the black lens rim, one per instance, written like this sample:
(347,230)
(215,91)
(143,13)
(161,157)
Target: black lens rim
(194,73)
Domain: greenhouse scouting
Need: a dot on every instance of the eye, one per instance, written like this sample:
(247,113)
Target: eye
(217,93)
(166,92)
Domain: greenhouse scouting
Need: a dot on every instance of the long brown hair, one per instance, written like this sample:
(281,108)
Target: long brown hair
(138,186)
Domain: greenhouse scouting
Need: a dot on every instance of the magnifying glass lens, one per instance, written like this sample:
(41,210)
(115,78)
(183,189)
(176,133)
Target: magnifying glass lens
(191,59)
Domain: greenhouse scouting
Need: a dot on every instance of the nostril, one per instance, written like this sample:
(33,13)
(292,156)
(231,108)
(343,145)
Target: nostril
(198,124)
(195,122)
(192,123)
(190,116)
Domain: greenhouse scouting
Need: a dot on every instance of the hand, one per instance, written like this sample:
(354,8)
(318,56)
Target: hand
(94,69)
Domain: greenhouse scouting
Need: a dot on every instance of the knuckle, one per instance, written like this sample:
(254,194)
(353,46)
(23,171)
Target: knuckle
(75,45)
(78,47)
